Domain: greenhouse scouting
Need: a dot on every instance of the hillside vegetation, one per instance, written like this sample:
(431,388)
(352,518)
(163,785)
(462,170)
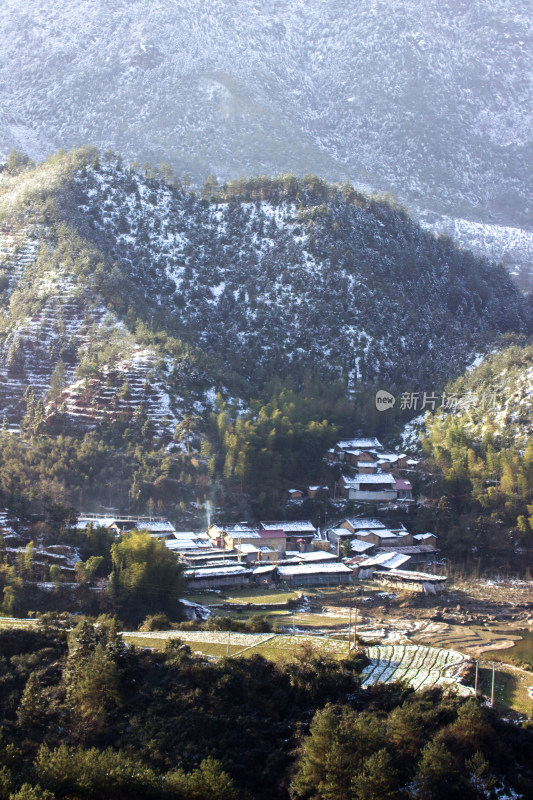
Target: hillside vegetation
(484,451)
(85,716)
(128,301)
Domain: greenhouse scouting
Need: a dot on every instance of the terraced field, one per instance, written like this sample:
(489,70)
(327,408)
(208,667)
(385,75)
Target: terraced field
(215,643)
(419,666)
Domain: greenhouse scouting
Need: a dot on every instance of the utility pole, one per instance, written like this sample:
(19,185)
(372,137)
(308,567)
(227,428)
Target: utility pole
(355,630)
(350,631)
(492,690)
(477,675)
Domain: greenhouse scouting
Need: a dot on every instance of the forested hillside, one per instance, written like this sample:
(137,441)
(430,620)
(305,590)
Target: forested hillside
(265,277)
(129,301)
(483,449)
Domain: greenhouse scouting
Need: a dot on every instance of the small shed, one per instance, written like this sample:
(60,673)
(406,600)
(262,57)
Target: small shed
(411,581)
(384,561)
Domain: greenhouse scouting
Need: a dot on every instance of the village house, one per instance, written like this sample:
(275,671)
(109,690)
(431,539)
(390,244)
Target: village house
(270,544)
(218,577)
(360,548)
(390,462)
(425,538)
(159,527)
(376,488)
(299,534)
(361,524)
(315,574)
(404,489)
(385,537)
(337,536)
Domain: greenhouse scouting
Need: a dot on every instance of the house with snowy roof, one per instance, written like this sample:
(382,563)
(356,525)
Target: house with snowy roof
(311,574)
(379,487)
(159,527)
(383,561)
(299,533)
(216,577)
(270,544)
(361,523)
(404,489)
(385,537)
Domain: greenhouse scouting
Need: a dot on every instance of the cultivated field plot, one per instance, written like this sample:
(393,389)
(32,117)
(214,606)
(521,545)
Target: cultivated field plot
(419,666)
(270,645)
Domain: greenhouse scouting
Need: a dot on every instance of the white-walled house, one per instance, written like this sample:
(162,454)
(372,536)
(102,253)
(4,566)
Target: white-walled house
(379,487)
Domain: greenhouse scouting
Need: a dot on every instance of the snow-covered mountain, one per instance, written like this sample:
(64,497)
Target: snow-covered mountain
(429,100)
(118,290)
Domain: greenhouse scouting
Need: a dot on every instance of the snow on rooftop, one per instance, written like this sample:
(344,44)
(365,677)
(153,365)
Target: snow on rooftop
(264,570)
(234,527)
(365,523)
(360,444)
(96,522)
(159,526)
(379,477)
(247,548)
(360,547)
(415,576)
(317,555)
(313,569)
(382,533)
(388,560)
(289,527)
(216,572)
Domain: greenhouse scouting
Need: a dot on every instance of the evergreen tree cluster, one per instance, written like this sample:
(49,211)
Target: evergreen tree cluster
(83,716)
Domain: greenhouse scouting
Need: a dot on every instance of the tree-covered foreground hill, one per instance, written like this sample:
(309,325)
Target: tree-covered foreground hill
(83,716)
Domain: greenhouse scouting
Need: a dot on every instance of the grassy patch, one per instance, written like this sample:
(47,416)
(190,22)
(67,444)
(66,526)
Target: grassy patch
(314,621)
(510,688)
(206,648)
(244,596)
